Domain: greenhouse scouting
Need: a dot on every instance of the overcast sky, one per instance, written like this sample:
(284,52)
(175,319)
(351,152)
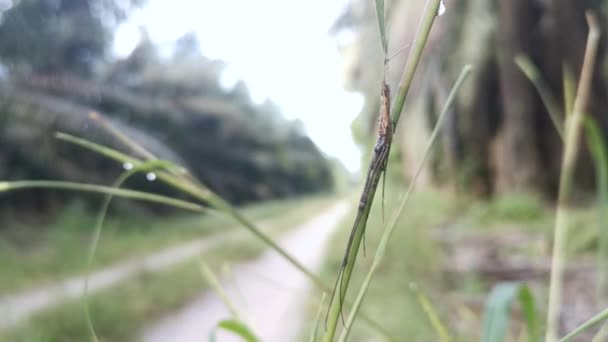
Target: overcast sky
(281,48)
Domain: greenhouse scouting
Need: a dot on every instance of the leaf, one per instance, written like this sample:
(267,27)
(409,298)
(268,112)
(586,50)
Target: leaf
(600,317)
(597,147)
(381,24)
(431,314)
(315,328)
(497,312)
(236,327)
(533,74)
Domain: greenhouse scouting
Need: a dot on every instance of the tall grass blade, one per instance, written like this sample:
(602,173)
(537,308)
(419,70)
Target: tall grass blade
(497,312)
(219,290)
(571,147)
(381,24)
(315,328)
(237,328)
(388,230)
(531,71)
(101,189)
(431,314)
(569,80)
(597,146)
(600,317)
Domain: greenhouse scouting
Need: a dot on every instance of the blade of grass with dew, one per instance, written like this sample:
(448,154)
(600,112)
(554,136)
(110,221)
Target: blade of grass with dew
(600,317)
(431,314)
(497,312)
(235,327)
(571,147)
(144,167)
(597,147)
(196,190)
(431,10)
(531,71)
(315,328)
(381,24)
(394,218)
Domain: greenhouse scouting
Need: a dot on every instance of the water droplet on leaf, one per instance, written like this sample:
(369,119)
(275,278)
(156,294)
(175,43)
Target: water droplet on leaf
(151,176)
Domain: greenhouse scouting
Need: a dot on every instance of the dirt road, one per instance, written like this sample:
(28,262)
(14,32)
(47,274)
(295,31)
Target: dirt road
(15,308)
(268,291)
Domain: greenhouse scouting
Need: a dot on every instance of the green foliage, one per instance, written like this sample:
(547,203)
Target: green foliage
(381,24)
(55,36)
(497,312)
(236,327)
(513,206)
(118,312)
(597,146)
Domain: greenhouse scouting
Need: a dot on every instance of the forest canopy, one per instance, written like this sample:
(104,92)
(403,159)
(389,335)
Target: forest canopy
(58,69)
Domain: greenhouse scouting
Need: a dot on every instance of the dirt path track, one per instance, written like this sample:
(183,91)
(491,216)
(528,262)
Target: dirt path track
(268,291)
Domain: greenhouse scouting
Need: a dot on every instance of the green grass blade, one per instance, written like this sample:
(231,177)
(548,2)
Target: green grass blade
(381,24)
(527,303)
(600,317)
(497,312)
(571,148)
(237,328)
(431,314)
(101,189)
(533,74)
(219,290)
(315,328)
(432,8)
(569,86)
(394,218)
(597,147)
(144,167)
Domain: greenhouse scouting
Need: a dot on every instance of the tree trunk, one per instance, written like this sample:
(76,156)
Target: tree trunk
(515,154)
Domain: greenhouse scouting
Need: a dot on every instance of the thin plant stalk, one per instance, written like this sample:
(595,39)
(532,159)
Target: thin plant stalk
(572,142)
(422,35)
(388,231)
(101,189)
(147,166)
(212,280)
(600,317)
(315,328)
(531,71)
(431,313)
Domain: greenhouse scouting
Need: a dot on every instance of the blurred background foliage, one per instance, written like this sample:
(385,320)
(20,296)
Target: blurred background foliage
(56,69)
(498,137)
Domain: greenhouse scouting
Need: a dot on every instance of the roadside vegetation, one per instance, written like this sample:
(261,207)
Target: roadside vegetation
(33,255)
(120,311)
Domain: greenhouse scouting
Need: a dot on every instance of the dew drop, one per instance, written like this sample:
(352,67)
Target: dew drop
(127,166)
(151,176)
(441,9)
